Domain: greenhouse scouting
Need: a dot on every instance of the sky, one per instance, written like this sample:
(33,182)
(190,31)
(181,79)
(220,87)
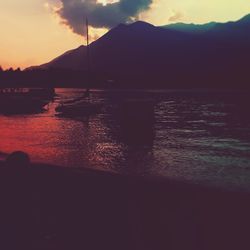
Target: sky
(34,32)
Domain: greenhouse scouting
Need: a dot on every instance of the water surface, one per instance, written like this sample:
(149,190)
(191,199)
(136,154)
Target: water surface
(196,136)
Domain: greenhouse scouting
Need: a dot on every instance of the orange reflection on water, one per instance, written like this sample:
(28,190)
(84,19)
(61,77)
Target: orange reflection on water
(65,142)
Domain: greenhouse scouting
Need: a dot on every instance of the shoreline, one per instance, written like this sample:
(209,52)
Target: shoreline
(70,209)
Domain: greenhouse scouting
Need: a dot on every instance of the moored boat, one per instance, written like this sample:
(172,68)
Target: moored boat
(22,101)
(48,93)
(79,109)
(82,106)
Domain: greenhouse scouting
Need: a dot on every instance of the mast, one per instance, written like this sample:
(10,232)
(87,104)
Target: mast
(88,58)
(88,51)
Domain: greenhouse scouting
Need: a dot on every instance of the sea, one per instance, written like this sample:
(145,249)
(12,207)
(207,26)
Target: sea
(198,136)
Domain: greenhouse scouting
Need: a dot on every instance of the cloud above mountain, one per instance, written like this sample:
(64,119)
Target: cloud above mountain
(100,15)
(177,16)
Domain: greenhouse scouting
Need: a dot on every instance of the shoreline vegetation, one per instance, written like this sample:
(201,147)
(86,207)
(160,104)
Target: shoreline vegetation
(48,207)
(69,78)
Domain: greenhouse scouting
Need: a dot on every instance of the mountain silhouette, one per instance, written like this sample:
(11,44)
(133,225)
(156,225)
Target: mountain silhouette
(186,55)
(191,28)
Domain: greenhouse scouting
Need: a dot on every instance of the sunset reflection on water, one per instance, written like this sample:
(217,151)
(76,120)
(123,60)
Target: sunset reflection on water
(193,139)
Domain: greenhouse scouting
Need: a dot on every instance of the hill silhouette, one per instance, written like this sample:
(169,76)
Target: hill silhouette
(176,55)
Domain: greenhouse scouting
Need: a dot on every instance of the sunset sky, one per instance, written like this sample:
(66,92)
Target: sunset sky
(35,31)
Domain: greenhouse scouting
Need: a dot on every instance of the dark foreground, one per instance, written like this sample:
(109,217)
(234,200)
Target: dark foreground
(53,208)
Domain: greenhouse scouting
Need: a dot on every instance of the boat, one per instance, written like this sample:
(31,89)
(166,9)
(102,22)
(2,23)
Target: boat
(84,105)
(22,101)
(79,109)
(46,93)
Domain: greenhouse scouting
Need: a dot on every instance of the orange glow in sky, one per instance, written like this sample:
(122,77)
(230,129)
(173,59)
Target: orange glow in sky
(32,33)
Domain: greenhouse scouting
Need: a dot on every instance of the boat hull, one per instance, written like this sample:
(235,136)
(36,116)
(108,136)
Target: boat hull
(21,105)
(85,109)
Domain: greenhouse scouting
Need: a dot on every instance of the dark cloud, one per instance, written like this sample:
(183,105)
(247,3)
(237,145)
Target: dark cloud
(73,12)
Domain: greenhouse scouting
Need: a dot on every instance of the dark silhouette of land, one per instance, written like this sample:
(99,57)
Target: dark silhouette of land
(45,207)
(140,55)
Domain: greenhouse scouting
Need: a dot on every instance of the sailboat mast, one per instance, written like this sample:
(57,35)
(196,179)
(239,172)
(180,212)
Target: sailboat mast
(87,30)
(88,57)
